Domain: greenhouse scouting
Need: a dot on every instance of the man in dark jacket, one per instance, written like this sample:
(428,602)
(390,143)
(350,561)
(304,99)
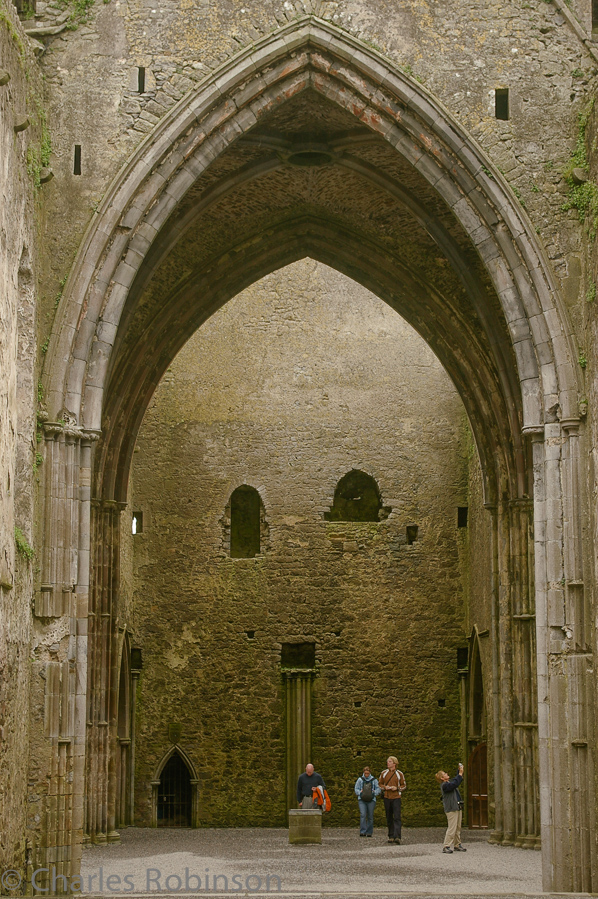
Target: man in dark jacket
(453,808)
(305,784)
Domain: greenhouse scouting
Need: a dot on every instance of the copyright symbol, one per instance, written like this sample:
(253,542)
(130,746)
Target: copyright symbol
(11,880)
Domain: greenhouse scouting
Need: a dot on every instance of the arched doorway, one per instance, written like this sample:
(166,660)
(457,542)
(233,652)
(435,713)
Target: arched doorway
(389,164)
(477,787)
(174,801)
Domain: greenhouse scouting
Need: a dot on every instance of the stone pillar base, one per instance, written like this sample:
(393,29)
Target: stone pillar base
(305,825)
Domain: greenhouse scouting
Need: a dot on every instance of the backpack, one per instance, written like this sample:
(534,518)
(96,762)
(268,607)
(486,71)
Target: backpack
(367,791)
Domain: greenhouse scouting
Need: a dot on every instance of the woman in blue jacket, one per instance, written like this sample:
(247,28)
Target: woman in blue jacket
(366,790)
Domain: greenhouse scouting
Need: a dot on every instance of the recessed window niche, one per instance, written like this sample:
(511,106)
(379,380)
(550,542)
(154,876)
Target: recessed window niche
(501,103)
(245,526)
(411,534)
(357,498)
(137,523)
(298,655)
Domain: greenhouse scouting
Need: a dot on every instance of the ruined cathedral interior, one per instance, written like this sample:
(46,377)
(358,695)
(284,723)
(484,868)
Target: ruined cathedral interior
(298,425)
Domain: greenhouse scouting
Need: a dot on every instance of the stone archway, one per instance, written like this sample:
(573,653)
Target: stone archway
(310,143)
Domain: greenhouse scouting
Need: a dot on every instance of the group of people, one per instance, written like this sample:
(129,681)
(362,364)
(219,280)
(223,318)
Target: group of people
(391,785)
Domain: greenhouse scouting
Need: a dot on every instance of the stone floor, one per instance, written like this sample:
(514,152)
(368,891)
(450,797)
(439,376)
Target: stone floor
(344,865)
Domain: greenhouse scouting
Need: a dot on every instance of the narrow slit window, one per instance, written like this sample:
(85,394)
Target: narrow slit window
(501,103)
(594,15)
(77,160)
(244,523)
(462,515)
(141,79)
(137,523)
(411,533)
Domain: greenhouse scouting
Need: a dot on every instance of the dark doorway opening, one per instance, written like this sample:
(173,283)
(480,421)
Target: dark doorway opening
(174,794)
(478,787)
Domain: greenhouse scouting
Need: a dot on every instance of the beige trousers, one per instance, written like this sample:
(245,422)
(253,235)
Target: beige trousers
(453,831)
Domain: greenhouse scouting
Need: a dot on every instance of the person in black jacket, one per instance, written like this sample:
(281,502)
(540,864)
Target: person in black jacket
(453,808)
(305,785)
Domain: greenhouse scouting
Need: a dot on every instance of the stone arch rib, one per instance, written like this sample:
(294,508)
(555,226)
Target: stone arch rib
(358,259)
(315,53)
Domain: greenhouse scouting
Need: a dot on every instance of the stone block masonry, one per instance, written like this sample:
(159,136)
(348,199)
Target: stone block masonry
(20,127)
(299,380)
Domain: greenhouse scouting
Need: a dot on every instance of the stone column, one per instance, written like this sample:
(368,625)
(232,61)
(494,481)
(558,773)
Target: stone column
(525,725)
(102,684)
(505,678)
(497,833)
(577,655)
(135,672)
(565,665)
(61,609)
(298,727)
(82,598)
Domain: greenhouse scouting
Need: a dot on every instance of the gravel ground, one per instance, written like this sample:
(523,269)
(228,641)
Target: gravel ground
(344,865)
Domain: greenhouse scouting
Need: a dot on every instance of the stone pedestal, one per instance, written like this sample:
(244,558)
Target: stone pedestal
(305,826)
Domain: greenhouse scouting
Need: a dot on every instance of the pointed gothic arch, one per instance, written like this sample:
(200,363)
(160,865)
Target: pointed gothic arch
(174,790)
(496,322)
(477,725)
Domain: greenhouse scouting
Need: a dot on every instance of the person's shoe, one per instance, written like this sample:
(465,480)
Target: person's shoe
(362,835)
(368,834)
(447,849)
(397,841)
(460,848)
(390,840)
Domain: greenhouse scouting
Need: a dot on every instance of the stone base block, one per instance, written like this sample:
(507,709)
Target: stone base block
(305,825)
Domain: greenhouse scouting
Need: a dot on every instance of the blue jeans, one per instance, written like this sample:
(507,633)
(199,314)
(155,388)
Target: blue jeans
(366,817)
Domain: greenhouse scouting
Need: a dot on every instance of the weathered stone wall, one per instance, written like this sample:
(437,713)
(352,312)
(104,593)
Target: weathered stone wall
(18,100)
(460,51)
(298,380)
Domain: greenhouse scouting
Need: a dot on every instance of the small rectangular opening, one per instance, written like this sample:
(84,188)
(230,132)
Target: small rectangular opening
(462,514)
(136,658)
(501,103)
(137,523)
(141,79)
(411,534)
(77,160)
(594,15)
(298,655)
(462,657)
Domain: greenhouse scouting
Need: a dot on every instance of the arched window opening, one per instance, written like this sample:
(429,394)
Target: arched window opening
(357,498)
(175,799)
(245,508)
